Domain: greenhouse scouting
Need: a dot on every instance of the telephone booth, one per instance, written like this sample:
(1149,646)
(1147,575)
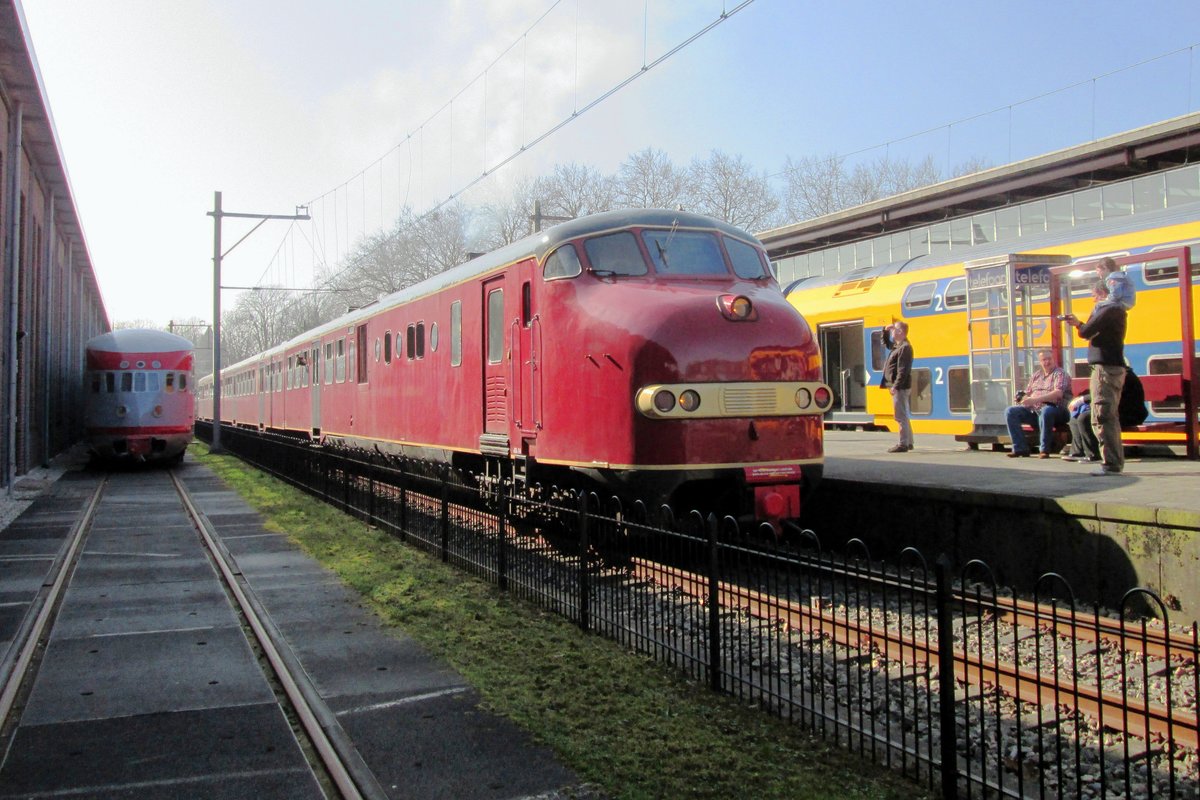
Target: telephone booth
(1008,322)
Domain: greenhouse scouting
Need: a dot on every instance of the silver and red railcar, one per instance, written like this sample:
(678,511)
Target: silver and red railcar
(647,352)
(140,405)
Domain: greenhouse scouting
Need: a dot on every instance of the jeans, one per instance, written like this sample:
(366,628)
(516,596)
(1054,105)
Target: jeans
(1044,420)
(902,410)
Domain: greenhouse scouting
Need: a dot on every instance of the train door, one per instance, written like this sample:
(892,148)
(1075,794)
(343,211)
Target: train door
(1008,321)
(314,361)
(524,330)
(494,440)
(844,359)
(264,377)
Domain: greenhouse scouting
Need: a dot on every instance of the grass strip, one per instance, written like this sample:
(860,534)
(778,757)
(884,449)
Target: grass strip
(630,726)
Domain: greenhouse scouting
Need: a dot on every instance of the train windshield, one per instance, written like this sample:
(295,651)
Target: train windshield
(615,254)
(685,252)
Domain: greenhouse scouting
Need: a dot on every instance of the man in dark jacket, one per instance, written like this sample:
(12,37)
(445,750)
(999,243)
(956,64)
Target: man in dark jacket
(1105,332)
(897,379)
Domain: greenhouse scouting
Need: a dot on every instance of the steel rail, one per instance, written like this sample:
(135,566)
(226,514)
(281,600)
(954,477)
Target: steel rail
(1135,717)
(344,764)
(35,625)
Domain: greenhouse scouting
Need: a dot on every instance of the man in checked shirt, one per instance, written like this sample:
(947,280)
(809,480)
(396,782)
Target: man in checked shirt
(1043,405)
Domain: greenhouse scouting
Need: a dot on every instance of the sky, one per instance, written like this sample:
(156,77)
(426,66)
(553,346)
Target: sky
(357,109)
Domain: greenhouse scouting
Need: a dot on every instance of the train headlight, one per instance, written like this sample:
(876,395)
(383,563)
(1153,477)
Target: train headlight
(664,401)
(158,411)
(803,398)
(122,411)
(823,397)
(689,400)
(736,307)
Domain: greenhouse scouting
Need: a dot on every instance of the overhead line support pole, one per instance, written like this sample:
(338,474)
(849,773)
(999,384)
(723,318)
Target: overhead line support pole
(218,214)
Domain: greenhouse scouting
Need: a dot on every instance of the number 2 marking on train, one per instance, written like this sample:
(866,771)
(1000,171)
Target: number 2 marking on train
(941,376)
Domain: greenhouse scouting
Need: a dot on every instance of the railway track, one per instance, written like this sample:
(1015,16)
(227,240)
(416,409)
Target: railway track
(1130,715)
(337,766)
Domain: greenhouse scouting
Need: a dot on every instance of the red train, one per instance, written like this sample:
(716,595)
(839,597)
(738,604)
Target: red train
(140,405)
(649,353)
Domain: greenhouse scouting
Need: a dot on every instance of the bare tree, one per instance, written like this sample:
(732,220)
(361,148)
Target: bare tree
(255,323)
(575,190)
(726,187)
(505,218)
(649,179)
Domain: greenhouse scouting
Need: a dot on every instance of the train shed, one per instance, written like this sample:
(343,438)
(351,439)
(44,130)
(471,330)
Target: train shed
(50,302)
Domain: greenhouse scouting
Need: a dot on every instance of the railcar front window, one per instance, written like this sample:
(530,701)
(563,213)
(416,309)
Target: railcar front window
(747,260)
(126,381)
(615,254)
(684,253)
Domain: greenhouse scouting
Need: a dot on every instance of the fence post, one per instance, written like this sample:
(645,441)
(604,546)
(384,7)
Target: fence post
(714,608)
(585,590)
(946,715)
(371,468)
(444,522)
(502,539)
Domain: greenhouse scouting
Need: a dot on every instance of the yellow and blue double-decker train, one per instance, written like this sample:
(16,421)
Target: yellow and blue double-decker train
(956,331)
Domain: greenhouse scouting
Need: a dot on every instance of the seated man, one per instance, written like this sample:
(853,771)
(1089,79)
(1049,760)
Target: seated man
(1043,405)
(1131,411)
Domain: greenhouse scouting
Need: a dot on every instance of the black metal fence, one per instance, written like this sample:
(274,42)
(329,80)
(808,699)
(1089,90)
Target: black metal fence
(948,678)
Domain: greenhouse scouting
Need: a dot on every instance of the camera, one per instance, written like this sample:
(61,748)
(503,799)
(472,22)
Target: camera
(1020,395)
(1062,317)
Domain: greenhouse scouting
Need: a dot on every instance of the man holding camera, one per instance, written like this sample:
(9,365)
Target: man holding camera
(1043,405)
(1105,332)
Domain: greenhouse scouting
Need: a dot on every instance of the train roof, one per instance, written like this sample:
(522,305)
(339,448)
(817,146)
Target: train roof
(138,340)
(537,245)
(1028,244)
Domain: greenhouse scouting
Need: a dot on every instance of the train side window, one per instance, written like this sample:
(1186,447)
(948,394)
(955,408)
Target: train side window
(340,364)
(291,371)
(919,295)
(420,340)
(878,351)
(456,333)
(922,391)
(411,337)
(126,381)
(958,389)
(562,263)
(526,304)
(747,260)
(495,332)
(1166,365)
(352,362)
(433,337)
(387,347)
(328,358)
(1167,270)
(955,296)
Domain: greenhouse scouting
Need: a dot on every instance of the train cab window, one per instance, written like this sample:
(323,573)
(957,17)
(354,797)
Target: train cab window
(183,382)
(420,340)
(170,387)
(955,296)
(152,380)
(456,333)
(562,263)
(615,254)
(126,381)
(139,382)
(684,253)
(387,347)
(95,383)
(495,332)
(747,260)
(919,295)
